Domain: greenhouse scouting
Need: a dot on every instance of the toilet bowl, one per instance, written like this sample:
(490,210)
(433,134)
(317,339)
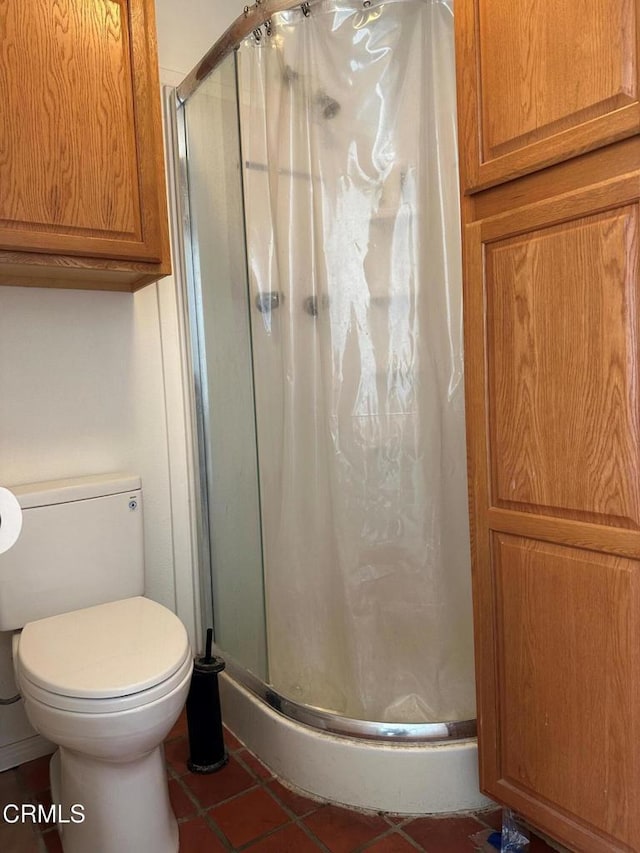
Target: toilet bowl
(106,684)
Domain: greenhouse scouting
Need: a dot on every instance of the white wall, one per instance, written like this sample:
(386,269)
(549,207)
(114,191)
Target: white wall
(93,382)
(187,30)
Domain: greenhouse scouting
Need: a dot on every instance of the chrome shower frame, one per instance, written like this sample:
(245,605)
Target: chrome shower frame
(254,18)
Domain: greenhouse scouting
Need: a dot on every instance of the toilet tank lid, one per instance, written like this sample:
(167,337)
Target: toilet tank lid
(76,489)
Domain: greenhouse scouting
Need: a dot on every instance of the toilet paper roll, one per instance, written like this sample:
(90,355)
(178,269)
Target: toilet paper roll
(10,519)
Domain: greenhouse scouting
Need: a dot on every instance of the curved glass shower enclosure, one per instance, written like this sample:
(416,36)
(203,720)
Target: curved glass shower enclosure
(320,163)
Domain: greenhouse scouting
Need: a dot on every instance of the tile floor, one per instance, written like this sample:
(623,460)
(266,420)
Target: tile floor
(243,807)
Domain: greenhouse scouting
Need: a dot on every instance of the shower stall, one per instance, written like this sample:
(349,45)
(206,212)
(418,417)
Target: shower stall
(319,164)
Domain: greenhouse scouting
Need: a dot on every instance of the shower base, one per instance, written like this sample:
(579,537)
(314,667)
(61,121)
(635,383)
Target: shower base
(426,777)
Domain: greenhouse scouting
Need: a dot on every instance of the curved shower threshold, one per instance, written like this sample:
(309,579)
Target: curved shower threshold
(380,771)
(327,721)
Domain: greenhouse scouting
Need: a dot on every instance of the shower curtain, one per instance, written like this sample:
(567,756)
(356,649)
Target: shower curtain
(347,120)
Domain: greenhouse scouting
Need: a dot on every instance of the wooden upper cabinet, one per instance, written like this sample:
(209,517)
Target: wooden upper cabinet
(82,197)
(540,83)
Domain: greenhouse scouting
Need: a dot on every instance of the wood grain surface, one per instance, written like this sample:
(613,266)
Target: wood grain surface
(81,162)
(544,83)
(551,274)
(568,624)
(68,157)
(563,369)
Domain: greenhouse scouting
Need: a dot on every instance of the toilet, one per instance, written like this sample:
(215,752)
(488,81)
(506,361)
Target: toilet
(103,671)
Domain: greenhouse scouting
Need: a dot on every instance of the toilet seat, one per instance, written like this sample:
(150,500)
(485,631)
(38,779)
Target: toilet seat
(104,659)
(114,705)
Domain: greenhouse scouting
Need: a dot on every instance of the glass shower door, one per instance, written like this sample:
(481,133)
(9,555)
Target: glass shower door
(326,299)
(233,582)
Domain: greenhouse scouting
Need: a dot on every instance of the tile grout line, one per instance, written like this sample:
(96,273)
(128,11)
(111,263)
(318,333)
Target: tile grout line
(259,783)
(294,819)
(259,778)
(388,833)
(202,812)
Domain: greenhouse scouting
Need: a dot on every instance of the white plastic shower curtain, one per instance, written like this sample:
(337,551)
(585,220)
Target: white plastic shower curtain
(348,130)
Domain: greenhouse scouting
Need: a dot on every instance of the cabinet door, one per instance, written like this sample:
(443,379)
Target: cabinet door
(552,313)
(81,168)
(540,82)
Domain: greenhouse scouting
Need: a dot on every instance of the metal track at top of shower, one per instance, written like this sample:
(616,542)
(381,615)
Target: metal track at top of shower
(252,20)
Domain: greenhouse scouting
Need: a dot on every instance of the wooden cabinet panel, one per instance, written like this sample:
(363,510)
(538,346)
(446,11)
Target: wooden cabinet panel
(81,160)
(553,419)
(540,84)
(563,384)
(567,622)
(69,161)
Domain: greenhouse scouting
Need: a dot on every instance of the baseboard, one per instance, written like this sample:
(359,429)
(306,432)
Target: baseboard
(13,754)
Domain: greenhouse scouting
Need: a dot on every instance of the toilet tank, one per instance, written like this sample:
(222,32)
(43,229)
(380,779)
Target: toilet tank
(81,544)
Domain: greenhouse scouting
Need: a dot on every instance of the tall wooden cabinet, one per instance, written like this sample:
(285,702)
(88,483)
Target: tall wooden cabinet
(550,161)
(82,197)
